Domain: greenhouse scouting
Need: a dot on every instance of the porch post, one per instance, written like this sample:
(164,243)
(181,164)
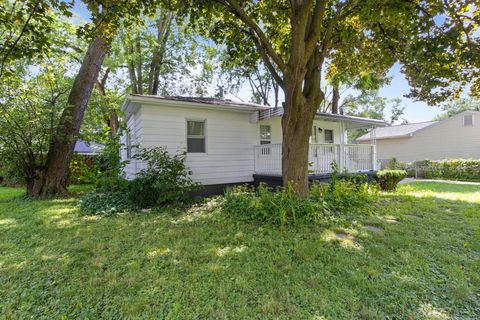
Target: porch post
(341,158)
(374,148)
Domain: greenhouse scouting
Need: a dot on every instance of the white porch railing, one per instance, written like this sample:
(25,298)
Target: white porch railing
(351,158)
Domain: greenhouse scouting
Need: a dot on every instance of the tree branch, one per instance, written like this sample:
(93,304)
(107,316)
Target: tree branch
(258,33)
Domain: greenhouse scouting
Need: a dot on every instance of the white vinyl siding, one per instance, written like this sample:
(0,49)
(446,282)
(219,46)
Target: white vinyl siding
(229,137)
(134,129)
(448,139)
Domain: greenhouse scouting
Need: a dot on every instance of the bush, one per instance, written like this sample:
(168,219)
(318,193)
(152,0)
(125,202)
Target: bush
(107,203)
(281,207)
(164,180)
(84,169)
(388,179)
(452,169)
(342,196)
(112,184)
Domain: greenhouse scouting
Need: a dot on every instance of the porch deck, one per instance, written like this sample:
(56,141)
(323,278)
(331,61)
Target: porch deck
(350,158)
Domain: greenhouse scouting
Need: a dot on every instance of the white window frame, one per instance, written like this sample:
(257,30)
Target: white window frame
(471,123)
(265,141)
(204,134)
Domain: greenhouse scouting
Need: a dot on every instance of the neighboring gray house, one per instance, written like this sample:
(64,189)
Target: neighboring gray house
(457,137)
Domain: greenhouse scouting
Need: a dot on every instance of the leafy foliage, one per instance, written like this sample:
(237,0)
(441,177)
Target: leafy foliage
(389,179)
(106,203)
(281,207)
(164,180)
(449,169)
(452,108)
(31,106)
(84,169)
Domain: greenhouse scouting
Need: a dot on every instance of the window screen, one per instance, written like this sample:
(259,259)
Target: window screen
(468,120)
(195,136)
(328,136)
(265,134)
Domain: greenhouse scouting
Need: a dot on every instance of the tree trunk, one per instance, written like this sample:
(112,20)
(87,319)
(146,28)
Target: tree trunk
(53,179)
(297,124)
(112,118)
(335,99)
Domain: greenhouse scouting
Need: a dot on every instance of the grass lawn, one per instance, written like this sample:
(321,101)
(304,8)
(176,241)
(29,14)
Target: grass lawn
(421,262)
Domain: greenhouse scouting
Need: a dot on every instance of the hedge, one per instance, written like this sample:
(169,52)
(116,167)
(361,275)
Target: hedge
(449,169)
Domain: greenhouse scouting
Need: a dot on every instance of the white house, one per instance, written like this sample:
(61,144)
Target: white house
(457,137)
(230,142)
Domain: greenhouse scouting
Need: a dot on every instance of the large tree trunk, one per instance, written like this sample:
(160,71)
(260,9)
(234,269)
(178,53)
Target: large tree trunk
(53,179)
(335,99)
(297,122)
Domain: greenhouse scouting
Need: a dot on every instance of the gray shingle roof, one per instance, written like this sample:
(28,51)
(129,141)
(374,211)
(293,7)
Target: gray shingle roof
(82,147)
(397,131)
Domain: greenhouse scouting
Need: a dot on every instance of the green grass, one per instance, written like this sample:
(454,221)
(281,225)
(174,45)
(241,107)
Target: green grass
(197,264)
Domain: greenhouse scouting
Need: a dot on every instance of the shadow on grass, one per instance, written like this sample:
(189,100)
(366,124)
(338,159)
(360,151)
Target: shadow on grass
(197,265)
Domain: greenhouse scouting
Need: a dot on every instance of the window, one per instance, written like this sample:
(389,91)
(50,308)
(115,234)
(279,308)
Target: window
(129,145)
(265,134)
(196,136)
(328,135)
(468,120)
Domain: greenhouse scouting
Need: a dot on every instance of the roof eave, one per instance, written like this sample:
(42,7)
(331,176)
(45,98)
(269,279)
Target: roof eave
(188,104)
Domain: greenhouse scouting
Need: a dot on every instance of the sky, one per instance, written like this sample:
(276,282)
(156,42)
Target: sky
(415,111)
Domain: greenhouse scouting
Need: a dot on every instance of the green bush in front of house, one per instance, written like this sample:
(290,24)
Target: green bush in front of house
(389,179)
(279,207)
(164,180)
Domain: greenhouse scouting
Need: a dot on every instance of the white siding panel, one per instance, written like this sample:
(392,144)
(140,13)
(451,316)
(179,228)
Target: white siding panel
(230,138)
(448,139)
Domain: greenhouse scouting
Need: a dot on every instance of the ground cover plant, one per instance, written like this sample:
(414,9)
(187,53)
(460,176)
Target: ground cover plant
(420,261)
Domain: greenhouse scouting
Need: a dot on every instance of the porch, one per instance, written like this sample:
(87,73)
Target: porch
(350,158)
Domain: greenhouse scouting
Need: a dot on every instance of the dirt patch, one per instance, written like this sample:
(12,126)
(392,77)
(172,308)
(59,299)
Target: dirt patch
(373,228)
(343,236)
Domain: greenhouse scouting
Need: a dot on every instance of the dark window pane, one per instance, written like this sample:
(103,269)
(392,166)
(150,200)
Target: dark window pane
(196,145)
(329,136)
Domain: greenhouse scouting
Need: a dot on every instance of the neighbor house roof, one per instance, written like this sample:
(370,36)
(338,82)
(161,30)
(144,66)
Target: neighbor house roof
(198,102)
(397,131)
(87,148)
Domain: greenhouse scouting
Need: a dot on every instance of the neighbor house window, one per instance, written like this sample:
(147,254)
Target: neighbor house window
(328,135)
(468,120)
(196,136)
(265,134)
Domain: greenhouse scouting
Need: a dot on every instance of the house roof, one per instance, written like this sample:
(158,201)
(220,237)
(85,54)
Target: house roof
(347,118)
(132,101)
(199,102)
(397,131)
(87,148)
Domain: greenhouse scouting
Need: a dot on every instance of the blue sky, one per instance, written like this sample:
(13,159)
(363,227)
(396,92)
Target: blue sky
(415,111)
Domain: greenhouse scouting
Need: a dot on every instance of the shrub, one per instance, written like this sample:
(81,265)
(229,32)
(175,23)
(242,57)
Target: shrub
(164,180)
(106,203)
(84,169)
(343,196)
(388,179)
(452,169)
(112,184)
(395,164)
(281,207)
